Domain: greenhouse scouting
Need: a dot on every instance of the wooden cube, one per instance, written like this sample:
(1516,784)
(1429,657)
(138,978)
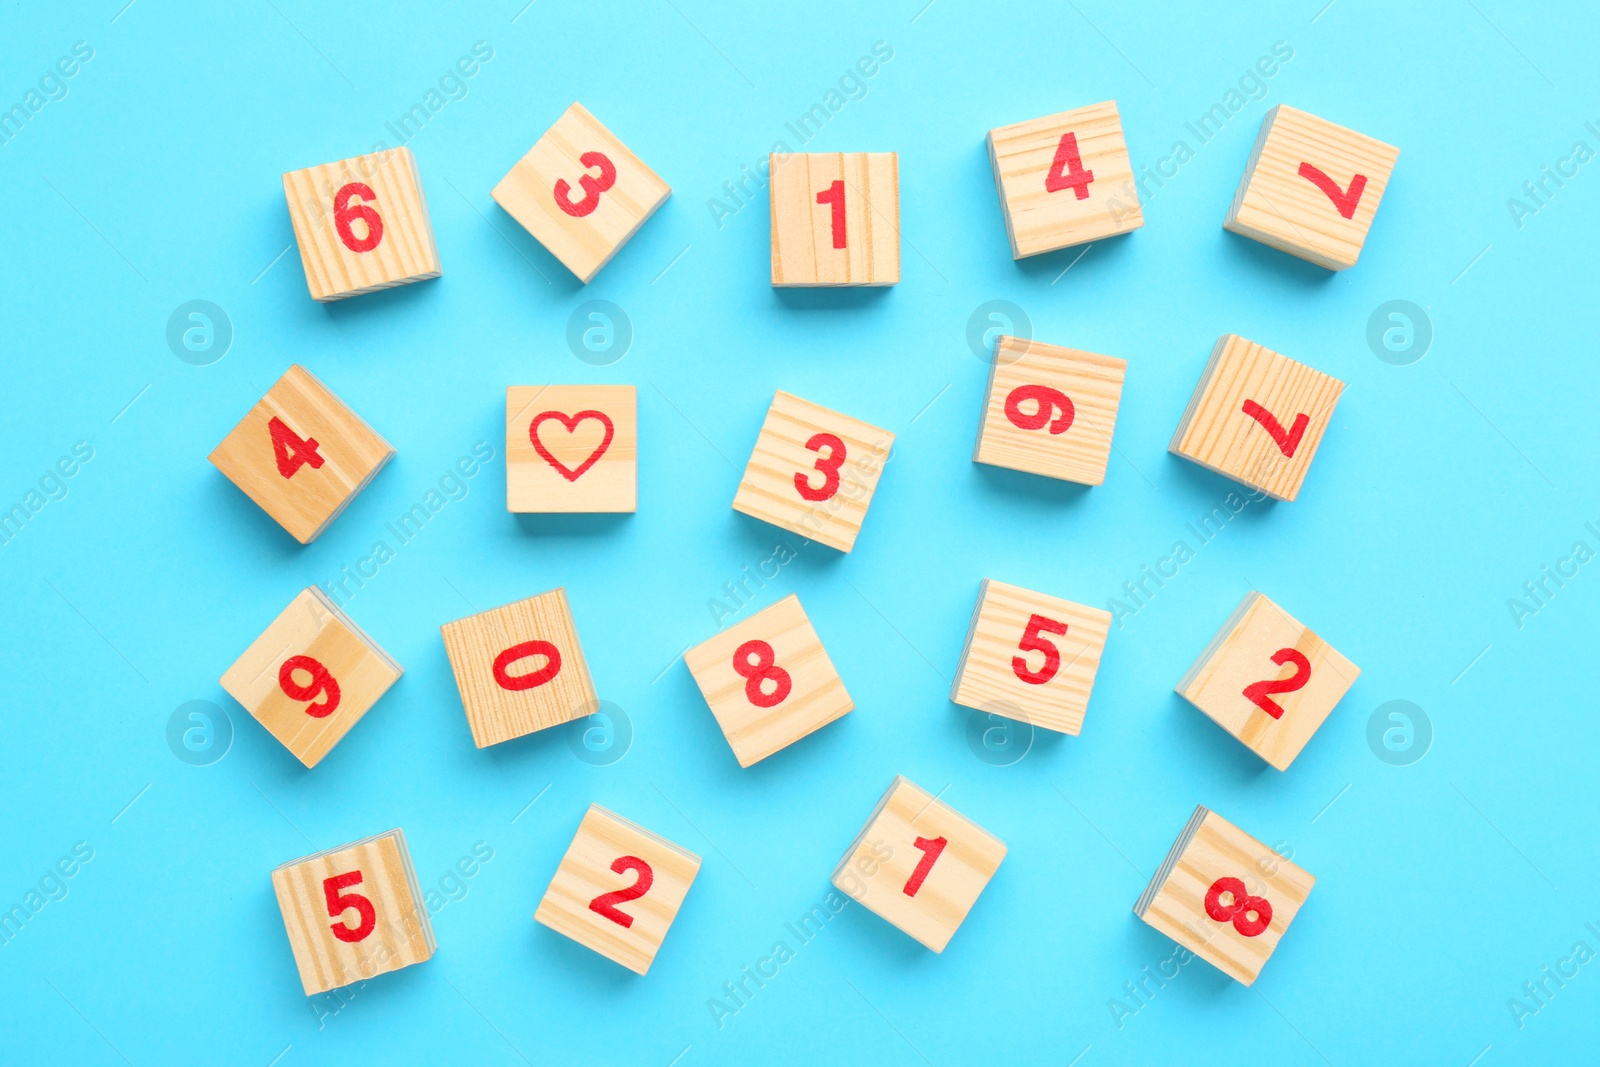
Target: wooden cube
(1030,657)
(310,676)
(1224,896)
(353,912)
(1311,188)
(836,218)
(571,448)
(1257,417)
(1064,179)
(813,471)
(919,863)
(519,668)
(1050,410)
(362,224)
(301,454)
(768,680)
(581,192)
(618,889)
(1268,680)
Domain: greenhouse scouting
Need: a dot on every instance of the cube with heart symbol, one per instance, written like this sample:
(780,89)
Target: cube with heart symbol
(571,448)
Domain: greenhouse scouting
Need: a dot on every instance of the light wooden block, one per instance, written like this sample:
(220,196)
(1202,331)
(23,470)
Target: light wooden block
(618,889)
(927,889)
(768,680)
(809,245)
(362,224)
(813,471)
(1048,202)
(581,192)
(1208,896)
(353,912)
(1311,188)
(300,427)
(1050,410)
(1030,657)
(1264,660)
(310,676)
(1257,417)
(519,668)
(572,448)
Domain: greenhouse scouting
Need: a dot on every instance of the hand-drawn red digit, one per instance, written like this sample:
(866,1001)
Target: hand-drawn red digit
(1288,441)
(517,682)
(339,903)
(1260,693)
(756,663)
(289,450)
(1240,907)
(605,903)
(344,214)
(321,682)
(834,194)
(1049,400)
(1076,178)
(930,852)
(1033,642)
(828,465)
(1344,200)
(592,187)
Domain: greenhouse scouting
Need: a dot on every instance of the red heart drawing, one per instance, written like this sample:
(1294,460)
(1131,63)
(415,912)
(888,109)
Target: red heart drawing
(571,423)
(1345,200)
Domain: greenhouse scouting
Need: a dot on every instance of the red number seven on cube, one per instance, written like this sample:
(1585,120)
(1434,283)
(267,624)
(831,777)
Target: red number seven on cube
(571,448)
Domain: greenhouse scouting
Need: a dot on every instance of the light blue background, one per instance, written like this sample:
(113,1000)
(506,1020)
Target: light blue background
(1440,489)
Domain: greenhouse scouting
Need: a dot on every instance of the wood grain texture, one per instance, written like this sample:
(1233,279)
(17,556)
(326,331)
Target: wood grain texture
(803,251)
(536,485)
(306,502)
(1092,382)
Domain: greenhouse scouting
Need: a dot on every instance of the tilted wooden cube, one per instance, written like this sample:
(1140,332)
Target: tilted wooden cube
(572,448)
(1050,410)
(301,454)
(836,218)
(1311,188)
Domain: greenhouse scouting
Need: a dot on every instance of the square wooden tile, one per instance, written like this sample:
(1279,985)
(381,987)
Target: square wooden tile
(1257,417)
(362,224)
(581,192)
(1268,680)
(572,448)
(310,676)
(1311,188)
(1050,410)
(813,471)
(519,668)
(836,218)
(1224,896)
(301,454)
(1064,179)
(768,680)
(353,912)
(1030,657)
(618,889)
(919,863)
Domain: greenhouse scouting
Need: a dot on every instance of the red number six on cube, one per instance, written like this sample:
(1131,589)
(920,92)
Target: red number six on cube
(322,682)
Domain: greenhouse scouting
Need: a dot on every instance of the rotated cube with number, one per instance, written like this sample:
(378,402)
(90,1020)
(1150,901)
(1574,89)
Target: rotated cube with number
(813,471)
(571,448)
(1064,179)
(1268,680)
(362,224)
(311,676)
(1050,410)
(519,668)
(768,681)
(1224,896)
(581,192)
(618,889)
(836,218)
(1311,188)
(353,912)
(919,864)
(301,454)
(1257,417)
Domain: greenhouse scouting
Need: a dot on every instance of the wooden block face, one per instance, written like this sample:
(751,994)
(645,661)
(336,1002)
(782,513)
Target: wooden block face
(1050,410)
(768,681)
(1257,417)
(836,218)
(1268,680)
(1311,188)
(1224,896)
(519,668)
(1030,657)
(571,448)
(310,676)
(362,224)
(353,912)
(301,454)
(1064,179)
(581,192)
(618,889)
(813,471)
(919,864)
